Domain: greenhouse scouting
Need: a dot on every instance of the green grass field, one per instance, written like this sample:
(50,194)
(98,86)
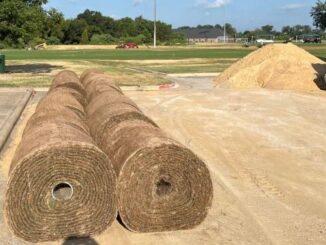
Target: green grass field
(36,68)
(124,54)
(141,54)
(205,66)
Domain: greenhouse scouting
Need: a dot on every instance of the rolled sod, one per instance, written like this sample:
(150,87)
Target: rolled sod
(99,83)
(162,185)
(60,183)
(69,79)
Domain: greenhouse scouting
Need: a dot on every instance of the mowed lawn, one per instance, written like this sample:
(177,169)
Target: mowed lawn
(127,67)
(144,54)
(169,54)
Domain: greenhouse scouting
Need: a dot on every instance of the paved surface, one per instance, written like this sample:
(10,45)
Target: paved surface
(12,103)
(266,151)
(193,83)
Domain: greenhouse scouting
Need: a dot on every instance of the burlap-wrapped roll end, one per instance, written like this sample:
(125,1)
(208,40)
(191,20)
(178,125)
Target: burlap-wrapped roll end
(164,188)
(61,190)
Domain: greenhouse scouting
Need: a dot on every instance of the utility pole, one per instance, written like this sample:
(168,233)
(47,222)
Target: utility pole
(225,24)
(225,33)
(155,23)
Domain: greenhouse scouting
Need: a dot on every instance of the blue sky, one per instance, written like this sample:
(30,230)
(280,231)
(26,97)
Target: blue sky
(243,14)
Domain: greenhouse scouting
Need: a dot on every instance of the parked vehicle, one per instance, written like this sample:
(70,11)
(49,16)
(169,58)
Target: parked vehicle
(127,45)
(263,42)
(41,46)
(312,39)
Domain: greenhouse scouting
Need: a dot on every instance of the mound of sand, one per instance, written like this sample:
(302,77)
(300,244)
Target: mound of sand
(277,66)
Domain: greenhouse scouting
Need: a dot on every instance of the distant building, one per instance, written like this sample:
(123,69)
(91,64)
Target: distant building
(204,35)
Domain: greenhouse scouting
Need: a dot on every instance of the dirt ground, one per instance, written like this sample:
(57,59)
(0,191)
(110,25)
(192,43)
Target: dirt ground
(266,151)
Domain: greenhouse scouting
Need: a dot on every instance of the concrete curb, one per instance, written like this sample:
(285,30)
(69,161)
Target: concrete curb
(11,122)
(185,75)
(134,88)
(150,88)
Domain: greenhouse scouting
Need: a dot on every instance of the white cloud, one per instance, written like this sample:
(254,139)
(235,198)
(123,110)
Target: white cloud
(293,6)
(137,2)
(212,4)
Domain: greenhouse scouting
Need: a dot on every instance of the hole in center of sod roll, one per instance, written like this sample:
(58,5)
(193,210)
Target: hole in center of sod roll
(62,191)
(163,187)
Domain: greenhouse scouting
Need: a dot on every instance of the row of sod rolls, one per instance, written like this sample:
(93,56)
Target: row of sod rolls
(162,185)
(60,183)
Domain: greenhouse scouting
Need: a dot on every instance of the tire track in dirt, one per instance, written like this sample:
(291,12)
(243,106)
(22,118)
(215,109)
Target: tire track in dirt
(257,182)
(187,138)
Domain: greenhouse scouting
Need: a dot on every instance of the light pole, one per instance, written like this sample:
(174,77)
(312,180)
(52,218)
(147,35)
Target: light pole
(225,33)
(155,23)
(224,23)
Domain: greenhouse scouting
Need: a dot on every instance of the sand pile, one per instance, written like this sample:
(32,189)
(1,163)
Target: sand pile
(277,66)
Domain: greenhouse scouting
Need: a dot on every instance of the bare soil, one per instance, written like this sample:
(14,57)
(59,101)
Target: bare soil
(266,151)
(276,66)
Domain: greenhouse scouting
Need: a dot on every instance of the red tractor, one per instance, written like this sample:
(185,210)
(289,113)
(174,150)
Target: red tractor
(127,45)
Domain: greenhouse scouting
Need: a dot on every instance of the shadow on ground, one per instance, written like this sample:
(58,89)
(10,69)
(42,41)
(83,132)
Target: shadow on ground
(32,68)
(322,58)
(321,72)
(80,241)
(121,222)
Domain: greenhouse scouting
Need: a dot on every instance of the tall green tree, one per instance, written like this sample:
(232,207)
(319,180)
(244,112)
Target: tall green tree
(25,22)
(35,2)
(84,37)
(164,31)
(230,30)
(125,27)
(296,30)
(144,27)
(267,29)
(98,24)
(92,17)
(21,21)
(54,24)
(318,13)
(218,26)
(74,31)
(205,27)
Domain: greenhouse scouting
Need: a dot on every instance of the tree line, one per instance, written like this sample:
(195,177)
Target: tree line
(267,31)
(318,13)
(26,23)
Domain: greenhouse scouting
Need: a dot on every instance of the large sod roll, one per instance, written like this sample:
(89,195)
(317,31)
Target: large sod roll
(162,185)
(61,101)
(102,120)
(98,84)
(60,183)
(89,73)
(70,82)
(68,79)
